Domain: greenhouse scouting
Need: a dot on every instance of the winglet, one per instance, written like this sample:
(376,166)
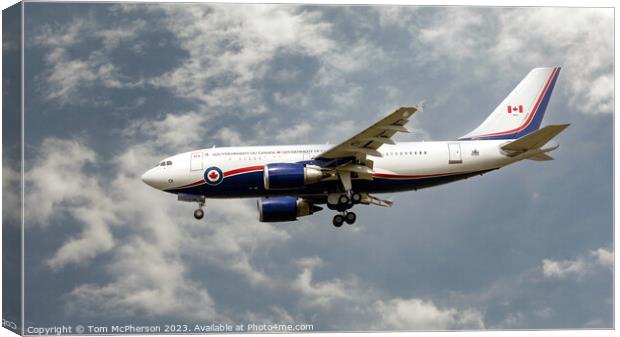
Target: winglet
(420,105)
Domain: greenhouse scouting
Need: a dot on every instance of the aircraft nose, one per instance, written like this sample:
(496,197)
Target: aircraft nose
(150,178)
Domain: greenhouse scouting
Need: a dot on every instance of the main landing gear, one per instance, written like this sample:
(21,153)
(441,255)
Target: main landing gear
(348,217)
(342,203)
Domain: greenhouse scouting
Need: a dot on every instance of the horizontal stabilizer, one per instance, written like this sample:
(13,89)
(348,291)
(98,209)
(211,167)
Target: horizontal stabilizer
(541,157)
(535,139)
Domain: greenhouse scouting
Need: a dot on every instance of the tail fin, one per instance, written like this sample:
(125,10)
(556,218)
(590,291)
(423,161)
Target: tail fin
(522,111)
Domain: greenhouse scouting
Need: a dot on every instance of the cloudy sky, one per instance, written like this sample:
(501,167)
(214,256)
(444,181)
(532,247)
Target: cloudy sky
(113,88)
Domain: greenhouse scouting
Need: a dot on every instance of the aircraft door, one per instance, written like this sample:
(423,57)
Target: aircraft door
(196,161)
(455,153)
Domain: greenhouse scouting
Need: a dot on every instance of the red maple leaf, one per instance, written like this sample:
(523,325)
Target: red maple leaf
(213,175)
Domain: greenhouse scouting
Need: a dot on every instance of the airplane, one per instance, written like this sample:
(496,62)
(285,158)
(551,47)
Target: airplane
(291,181)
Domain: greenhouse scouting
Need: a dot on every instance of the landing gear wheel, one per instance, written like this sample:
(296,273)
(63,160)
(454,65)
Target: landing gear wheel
(338,220)
(343,199)
(350,218)
(356,198)
(199,214)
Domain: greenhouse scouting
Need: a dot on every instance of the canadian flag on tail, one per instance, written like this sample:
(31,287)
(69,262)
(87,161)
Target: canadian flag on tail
(515,108)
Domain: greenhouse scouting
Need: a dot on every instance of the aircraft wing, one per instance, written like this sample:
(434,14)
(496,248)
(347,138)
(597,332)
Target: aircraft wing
(369,140)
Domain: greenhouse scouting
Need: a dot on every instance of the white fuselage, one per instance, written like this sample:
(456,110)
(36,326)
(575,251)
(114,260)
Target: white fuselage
(405,159)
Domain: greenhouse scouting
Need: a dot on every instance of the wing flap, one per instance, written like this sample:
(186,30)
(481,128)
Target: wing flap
(369,140)
(397,128)
(370,200)
(381,140)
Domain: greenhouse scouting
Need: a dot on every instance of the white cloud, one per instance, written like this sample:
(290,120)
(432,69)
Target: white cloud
(295,133)
(604,257)
(455,33)
(147,272)
(579,267)
(51,177)
(348,97)
(579,39)
(180,131)
(343,61)
(11,197)
(112,37)
(65,36)
(52,185)
(231,45)
(396,15)
(149,281)
(417,314)
(231,242)
(368,308)
(562,269)
(550,39)
(324,293)
(230,137)
(291,100)
(67,74)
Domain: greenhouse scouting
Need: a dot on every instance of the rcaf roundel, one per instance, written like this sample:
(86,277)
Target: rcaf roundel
(213,175)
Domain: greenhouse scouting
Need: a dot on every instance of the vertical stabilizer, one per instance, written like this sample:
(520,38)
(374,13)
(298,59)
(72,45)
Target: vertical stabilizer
(522,111)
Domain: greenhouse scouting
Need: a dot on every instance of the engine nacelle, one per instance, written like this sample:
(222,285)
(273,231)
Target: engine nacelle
(286,176)
(277,209)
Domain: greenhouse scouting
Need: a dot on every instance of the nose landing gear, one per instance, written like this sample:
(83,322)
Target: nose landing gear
(200,199)
(199,213)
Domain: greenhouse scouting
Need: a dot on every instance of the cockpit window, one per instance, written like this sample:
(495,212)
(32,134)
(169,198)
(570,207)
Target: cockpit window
(164,163)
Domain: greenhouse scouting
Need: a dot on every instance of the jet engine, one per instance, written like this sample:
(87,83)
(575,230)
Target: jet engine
(277,209)
(285,176)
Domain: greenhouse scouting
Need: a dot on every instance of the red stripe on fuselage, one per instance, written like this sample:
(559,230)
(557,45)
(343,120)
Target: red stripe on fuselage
(532,114)
(201,181)
(243,170)
(226,174)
